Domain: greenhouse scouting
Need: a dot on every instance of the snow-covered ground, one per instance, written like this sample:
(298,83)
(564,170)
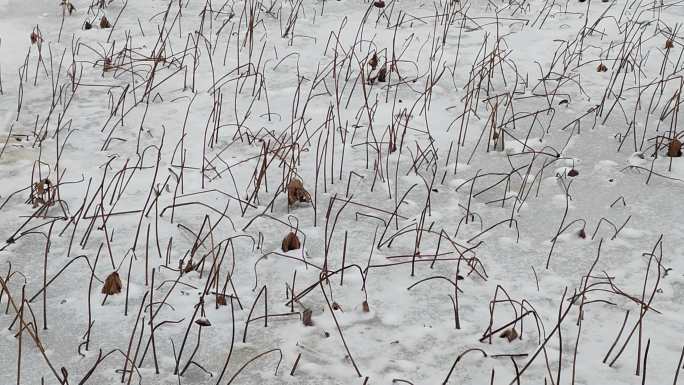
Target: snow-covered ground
(475,169)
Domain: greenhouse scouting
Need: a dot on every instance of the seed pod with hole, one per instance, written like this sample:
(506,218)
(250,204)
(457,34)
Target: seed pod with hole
(112,284)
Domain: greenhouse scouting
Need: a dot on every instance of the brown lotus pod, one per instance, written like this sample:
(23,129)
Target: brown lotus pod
(306,317)
(42,186)
(373,62)
(365,307)
(674,149)
(582,234)
(39,187)
(203,321)
(601,68)
(296,192)
(509,334)
(88,25)
(573,173)
(336,306)
(290,242)
(379,4)
(35,38)
(188,267)
(221,300)
(382,74)
(108,64)
(669,44)
(104,23)
(112,284)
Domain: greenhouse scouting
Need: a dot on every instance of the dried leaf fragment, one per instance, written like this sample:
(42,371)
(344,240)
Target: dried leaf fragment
(296,192)
(104,23)
(674,149)
(221,300)
(509,334)
(290,242)
(112,284)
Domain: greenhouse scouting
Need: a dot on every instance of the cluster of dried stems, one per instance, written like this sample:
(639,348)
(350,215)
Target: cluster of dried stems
(375,73)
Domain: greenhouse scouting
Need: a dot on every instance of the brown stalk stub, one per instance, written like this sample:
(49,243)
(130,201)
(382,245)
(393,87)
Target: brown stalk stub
(365,306)
(601,68)
(509,334)
(306,317)
(669,44)
(290,242)
(674,149)
(112,284)
(296,192)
